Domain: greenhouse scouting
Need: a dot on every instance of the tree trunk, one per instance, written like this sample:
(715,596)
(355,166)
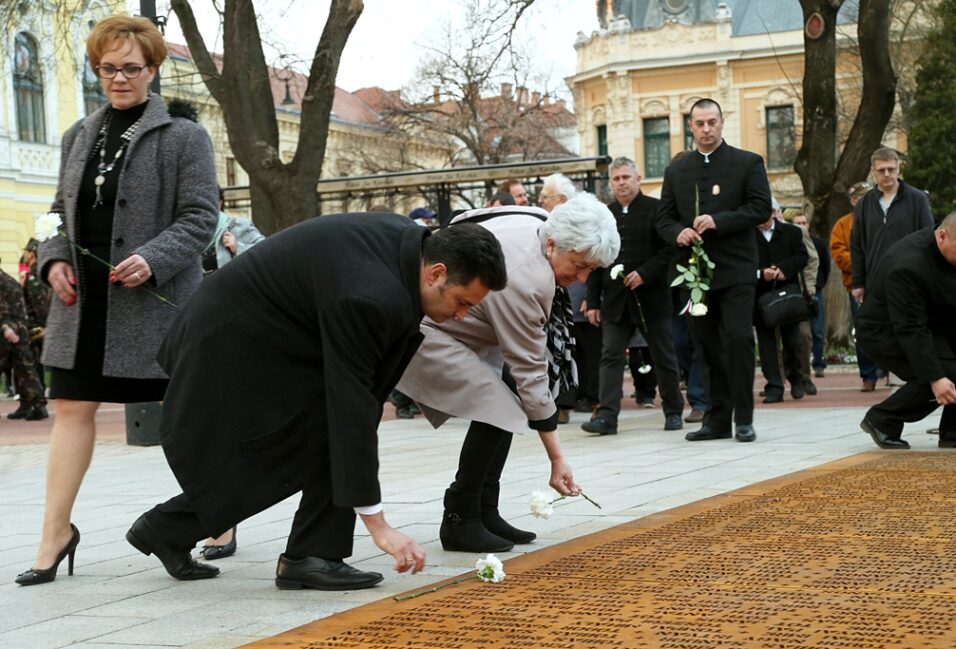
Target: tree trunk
(283,193)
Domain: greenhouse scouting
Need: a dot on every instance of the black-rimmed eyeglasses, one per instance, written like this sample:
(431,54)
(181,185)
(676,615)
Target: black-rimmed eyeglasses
(108,71)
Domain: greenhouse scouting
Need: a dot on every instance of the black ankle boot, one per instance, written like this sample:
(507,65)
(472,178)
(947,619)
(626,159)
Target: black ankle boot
(462,529)
(495,524)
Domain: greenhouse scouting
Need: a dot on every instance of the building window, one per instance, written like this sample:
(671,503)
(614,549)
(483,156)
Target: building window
(657,146)
(688,135)
(230,172)
(93,97)
(28,89)
(781,137)
(602,139)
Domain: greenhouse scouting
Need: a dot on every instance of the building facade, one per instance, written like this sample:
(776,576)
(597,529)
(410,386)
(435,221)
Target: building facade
(638,76)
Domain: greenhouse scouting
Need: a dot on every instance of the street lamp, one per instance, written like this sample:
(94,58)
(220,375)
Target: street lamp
(287,100)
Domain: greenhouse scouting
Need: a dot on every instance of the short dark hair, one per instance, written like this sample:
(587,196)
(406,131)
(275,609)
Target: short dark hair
(503,198)
(468,251)
(706,103)
(507,184)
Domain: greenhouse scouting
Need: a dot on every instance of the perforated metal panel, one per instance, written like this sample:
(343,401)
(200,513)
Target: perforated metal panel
(860,556)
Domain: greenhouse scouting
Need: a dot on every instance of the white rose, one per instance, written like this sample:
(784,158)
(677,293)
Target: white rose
(490,569)
(541,505)
(698,309)
(645,369)
(617,271)
(47,226)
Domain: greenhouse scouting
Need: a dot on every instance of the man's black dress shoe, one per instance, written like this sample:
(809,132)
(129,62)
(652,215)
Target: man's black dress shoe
(211,552)
(599,426)
(707,432)
(673,422)
(797,391)
(810,388)
(882,439)
(773,397)
(745,433)
(178,563)
(322,574)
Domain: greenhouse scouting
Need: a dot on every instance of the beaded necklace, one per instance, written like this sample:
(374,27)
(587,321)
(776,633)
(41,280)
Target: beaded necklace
(102,166)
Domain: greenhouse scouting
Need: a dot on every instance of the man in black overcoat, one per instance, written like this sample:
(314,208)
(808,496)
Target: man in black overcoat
(782,257)
(730,188)
(325,313)
(906,325)
(639,299)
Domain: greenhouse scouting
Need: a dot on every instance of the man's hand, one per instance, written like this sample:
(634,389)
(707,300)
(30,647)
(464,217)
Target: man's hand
(633,279)
(10,335)
(594,316)
(687,237)
(857,294)
(944,390)
(703,223)
(769,274)
(406,552)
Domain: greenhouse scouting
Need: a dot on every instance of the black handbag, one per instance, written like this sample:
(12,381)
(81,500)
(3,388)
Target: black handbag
(783,305)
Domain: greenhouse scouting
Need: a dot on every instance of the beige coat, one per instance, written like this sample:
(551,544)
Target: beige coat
(457,370)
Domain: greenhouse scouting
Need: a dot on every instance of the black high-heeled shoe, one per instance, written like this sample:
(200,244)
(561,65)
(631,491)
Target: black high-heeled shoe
(212,552)
(34,576)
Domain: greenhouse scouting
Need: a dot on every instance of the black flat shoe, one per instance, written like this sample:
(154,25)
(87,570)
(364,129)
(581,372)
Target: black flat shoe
(883,440)
(322,574)
(34,576)
(707,432)
(178,563)
(745,433)
(212,552)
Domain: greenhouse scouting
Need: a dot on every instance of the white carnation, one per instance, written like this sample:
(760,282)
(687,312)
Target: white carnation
(490,569)
(541,505)
(47,226)
(698,309)
(617,271)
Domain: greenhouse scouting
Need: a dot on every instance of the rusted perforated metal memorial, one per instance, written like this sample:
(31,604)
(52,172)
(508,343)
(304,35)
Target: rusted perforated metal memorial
(858,554)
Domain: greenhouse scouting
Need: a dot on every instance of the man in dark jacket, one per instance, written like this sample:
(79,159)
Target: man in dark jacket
(886,214)
(638,298)
(327,313)
(720,194)
(906,326)
(782,256)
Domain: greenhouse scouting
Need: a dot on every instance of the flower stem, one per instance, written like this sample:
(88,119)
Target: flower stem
(582,494)
(434,588)
(86,252)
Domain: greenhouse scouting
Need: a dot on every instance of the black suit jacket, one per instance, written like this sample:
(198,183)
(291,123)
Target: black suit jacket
(280,363)
(785,250)
(732,188)
(643,250)
(910,306)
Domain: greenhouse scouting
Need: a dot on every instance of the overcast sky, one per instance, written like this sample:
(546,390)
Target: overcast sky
(387,41)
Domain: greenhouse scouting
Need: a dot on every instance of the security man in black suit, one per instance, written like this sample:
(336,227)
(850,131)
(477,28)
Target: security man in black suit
(639,299)
(327,312)
(730,188)
(782,256)
(906,325)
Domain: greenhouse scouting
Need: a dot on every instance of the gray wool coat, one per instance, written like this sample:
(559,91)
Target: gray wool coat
(166,210)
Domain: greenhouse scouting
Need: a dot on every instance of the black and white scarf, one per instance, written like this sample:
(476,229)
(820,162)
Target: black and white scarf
(562,372)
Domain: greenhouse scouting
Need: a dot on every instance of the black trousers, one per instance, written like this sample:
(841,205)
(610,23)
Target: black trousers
(587,356)
(724,338)
(914,401)
(770,360)
(660,343)
(483,456)
(319,527)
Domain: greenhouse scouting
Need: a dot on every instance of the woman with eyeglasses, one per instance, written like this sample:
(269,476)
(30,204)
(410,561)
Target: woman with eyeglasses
(137,189)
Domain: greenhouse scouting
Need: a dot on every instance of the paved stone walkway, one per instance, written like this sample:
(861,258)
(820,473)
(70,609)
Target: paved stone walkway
(120,598)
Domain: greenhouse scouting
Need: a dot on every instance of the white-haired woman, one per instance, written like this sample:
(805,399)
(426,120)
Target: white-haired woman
(502,365)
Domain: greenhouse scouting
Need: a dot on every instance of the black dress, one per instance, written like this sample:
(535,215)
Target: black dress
(85,382)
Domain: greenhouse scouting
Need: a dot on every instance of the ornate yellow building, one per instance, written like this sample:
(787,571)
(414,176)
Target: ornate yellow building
(638,76)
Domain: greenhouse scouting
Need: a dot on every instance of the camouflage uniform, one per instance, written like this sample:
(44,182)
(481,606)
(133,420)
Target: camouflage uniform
(13,315)
(36,296)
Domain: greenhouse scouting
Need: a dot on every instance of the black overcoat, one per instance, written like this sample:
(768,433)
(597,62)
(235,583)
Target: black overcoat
(785,250)
(282,360)
(643,250)
(733,188)
(910,307)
